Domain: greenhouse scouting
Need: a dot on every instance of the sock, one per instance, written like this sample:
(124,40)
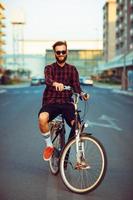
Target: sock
(47,138)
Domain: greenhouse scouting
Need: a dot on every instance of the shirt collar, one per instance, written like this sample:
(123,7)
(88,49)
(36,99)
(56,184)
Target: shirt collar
(59,65)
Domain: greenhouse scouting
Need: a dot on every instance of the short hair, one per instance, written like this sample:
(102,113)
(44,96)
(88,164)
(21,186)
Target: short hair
(59,43)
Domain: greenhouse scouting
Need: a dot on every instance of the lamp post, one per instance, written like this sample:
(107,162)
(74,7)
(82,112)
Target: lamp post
(18,36)
(124,71)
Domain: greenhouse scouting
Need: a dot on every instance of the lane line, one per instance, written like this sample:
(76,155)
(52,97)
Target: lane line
(110,123)
(2,91)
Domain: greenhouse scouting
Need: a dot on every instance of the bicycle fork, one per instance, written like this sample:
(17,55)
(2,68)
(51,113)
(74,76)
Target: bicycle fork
(80,153)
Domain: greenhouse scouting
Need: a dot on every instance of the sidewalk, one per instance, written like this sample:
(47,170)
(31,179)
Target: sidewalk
(114,88)
(21,85)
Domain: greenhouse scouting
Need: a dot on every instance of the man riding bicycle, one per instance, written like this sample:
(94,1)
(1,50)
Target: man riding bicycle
(57,100)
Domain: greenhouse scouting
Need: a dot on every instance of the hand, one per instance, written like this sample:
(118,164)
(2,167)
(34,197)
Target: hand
(58,86)
(85,96)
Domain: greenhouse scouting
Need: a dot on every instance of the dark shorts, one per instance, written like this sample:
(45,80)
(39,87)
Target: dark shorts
(66,109)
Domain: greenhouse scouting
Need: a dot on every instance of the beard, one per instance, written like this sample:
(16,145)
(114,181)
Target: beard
(61,61)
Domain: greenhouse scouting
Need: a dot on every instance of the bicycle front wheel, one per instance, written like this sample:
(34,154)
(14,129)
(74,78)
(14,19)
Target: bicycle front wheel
(87,178)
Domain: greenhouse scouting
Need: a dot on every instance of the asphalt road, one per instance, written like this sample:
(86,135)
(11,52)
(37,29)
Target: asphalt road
(23,173)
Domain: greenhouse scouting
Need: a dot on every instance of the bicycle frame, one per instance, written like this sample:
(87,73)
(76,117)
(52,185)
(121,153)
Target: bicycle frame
(82,158)
(57,126)
(78,131)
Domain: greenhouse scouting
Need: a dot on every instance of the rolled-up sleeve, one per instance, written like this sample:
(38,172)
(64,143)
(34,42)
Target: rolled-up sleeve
(48,75)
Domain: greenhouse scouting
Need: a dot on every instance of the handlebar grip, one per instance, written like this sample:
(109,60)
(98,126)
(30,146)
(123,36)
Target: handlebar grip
(67,87)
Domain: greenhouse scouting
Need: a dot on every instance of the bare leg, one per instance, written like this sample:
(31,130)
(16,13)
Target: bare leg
(43,122)
(44,128)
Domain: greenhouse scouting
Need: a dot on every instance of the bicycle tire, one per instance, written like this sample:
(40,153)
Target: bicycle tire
(85,180)
(54,161)
(58,140)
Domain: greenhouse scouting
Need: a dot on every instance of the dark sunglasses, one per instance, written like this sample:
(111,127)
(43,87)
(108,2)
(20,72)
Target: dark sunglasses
(59,52)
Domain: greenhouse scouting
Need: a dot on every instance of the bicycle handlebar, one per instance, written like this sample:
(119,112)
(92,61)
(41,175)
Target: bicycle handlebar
(67,87)
(76,94)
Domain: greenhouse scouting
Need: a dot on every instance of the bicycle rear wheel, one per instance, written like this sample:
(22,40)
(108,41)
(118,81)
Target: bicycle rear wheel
(87,178)
(58,140)
(54,161)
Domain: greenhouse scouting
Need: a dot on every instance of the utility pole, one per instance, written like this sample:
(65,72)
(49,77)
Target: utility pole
(124,71)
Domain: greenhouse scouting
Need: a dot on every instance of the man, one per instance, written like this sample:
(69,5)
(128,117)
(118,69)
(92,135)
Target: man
(57,100)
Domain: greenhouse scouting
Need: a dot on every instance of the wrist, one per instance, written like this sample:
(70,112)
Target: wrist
(54,83)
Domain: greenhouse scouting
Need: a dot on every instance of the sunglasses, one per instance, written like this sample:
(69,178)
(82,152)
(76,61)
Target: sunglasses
(60,52)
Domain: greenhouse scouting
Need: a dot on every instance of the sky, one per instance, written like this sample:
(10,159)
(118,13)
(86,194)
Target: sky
(55,19)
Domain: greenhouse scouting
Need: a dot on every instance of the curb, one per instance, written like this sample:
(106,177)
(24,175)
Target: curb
(115,89)
(15,86)
(129,93)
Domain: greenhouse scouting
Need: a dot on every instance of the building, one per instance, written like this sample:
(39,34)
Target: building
(124,26)
(120,63)
(86,61)
(2,34)
(109,20)
(37,53)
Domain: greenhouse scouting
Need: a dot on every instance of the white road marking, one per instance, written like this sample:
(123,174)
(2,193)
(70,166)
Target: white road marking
(26,92)
(3,91)
(110,123)
(37,91)
(16,92)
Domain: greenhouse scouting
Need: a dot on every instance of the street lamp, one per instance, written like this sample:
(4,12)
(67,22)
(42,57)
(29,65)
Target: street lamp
(18,36)
(124,71)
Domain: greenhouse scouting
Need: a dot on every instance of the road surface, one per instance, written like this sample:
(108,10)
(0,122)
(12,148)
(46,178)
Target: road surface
(23,173)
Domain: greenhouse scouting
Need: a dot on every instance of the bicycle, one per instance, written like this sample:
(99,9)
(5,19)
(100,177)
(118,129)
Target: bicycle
(82,160)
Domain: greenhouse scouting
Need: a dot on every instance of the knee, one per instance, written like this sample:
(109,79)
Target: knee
(43,118)
(72,123)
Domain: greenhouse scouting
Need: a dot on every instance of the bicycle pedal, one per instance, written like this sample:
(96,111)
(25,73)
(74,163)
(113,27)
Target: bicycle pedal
(80,166)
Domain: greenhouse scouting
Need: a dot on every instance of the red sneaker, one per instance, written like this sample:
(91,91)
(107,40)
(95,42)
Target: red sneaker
(47,153)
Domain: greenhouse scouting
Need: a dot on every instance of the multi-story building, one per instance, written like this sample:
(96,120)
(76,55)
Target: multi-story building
(124,26)
(118,42)
(2,42)
(109,19)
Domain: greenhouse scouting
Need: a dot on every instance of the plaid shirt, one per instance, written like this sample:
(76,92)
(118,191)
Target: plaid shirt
(68,75)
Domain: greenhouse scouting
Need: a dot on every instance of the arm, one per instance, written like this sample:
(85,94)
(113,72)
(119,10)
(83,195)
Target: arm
(76,85)
(48,75)
(75,81)
(49,80)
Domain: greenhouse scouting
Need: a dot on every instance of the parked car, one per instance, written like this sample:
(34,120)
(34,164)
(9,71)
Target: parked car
(42,81)
(37,81)
(85,80)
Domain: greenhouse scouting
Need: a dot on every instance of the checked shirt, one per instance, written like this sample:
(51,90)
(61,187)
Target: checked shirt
(68,75)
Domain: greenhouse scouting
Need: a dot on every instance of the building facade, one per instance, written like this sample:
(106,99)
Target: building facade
(86,61)
(124,26)
(109,19)
(2,34)
(85,55)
